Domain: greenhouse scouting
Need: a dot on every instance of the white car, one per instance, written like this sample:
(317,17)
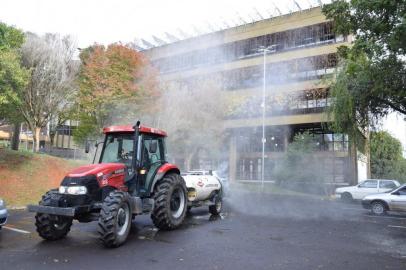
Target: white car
(204,189)
(3,213)
(390,201)
(367,187)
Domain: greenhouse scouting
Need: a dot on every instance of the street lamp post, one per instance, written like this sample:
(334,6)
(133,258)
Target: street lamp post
(264,50)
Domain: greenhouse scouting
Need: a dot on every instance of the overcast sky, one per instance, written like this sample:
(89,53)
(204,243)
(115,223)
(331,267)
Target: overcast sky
(108,21)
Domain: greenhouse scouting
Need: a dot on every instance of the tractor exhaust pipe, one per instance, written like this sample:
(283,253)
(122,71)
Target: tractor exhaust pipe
(136,164)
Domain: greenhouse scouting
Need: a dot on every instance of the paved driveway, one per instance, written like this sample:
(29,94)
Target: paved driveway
(257,231)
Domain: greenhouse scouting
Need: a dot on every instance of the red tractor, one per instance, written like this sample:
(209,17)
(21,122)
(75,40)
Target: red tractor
(132,177)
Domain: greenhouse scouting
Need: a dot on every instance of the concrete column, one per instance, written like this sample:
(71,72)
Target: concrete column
(353,163)
(232,163)
(286,134)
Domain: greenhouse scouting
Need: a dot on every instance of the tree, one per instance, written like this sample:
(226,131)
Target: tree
(370,82)
(50,59)
(193,114)
(386,156)
(114,81)
(301,166)
(13,77)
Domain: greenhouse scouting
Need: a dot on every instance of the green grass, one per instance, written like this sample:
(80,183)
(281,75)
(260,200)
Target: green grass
(271,188)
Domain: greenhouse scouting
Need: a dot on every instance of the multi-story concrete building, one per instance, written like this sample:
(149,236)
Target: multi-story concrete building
(301,52)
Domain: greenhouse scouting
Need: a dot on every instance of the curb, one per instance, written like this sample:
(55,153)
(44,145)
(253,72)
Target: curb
(16,207)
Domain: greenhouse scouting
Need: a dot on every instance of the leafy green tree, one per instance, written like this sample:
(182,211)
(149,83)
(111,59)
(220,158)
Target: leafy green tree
(13,77)
(370,83)
(301,164)
(386,156)
(115,82)
(53,70)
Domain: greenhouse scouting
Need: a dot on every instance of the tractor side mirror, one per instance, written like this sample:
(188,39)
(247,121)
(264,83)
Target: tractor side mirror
(153,147)
(87,147)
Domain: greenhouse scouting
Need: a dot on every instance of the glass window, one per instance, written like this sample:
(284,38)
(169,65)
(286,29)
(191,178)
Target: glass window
(302,104)
(152,152)
(312,103)
(328,137)
(402,191)
(387,184)
(118,149)
(369,184)
(338,137)
(321,102)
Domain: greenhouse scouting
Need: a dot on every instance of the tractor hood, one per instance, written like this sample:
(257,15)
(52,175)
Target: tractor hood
(97,169)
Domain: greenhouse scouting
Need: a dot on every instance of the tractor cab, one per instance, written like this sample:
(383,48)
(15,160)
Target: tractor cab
(140,149)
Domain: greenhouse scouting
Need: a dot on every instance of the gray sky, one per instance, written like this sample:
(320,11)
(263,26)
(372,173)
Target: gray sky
(108,21)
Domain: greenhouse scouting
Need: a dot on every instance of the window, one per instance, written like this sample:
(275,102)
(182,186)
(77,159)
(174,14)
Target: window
(153,151)
(369,184)
(402,191)
(118,149)
(281,41)
(321,102)
(387,184)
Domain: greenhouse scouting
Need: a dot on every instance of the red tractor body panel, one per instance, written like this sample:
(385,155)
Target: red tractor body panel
(107,174)
(167,167)
(128,128)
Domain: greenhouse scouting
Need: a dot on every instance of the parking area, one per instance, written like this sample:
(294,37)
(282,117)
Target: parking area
(256,231)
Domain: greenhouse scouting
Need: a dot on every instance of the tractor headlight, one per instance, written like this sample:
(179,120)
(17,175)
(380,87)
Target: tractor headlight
(74,190)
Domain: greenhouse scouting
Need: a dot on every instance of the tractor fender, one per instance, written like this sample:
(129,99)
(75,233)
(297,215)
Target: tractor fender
(162,171)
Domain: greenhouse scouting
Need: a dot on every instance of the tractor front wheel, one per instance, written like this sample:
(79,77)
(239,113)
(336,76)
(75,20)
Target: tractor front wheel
(170,198)
(115,219)
(51,227)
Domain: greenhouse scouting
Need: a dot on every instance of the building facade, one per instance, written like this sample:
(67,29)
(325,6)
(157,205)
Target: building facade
(301,55)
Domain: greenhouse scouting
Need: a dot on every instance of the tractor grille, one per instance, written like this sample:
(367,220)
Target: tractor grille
(90,182)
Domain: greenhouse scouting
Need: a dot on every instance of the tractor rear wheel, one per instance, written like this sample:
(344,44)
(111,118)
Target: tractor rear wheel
(51,227)
(170,198)
(115,219)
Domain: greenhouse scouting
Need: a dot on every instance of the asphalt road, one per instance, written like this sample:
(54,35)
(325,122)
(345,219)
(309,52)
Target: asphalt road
(255,232)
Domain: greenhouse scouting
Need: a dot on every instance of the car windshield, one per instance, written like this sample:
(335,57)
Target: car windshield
(398,188)
(389,191)
(118,148)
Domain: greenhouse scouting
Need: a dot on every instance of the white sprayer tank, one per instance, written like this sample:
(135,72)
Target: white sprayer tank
(204,185)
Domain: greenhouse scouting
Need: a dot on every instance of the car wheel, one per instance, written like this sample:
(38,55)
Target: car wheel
(378,208)
(346,197)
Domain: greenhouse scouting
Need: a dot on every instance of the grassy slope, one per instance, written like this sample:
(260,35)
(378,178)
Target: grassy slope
(25,176)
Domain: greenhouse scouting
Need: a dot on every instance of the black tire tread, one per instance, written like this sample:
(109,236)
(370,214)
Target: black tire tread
(108,213)
(212,208)
(347,197)
(160,214)
(44,223)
